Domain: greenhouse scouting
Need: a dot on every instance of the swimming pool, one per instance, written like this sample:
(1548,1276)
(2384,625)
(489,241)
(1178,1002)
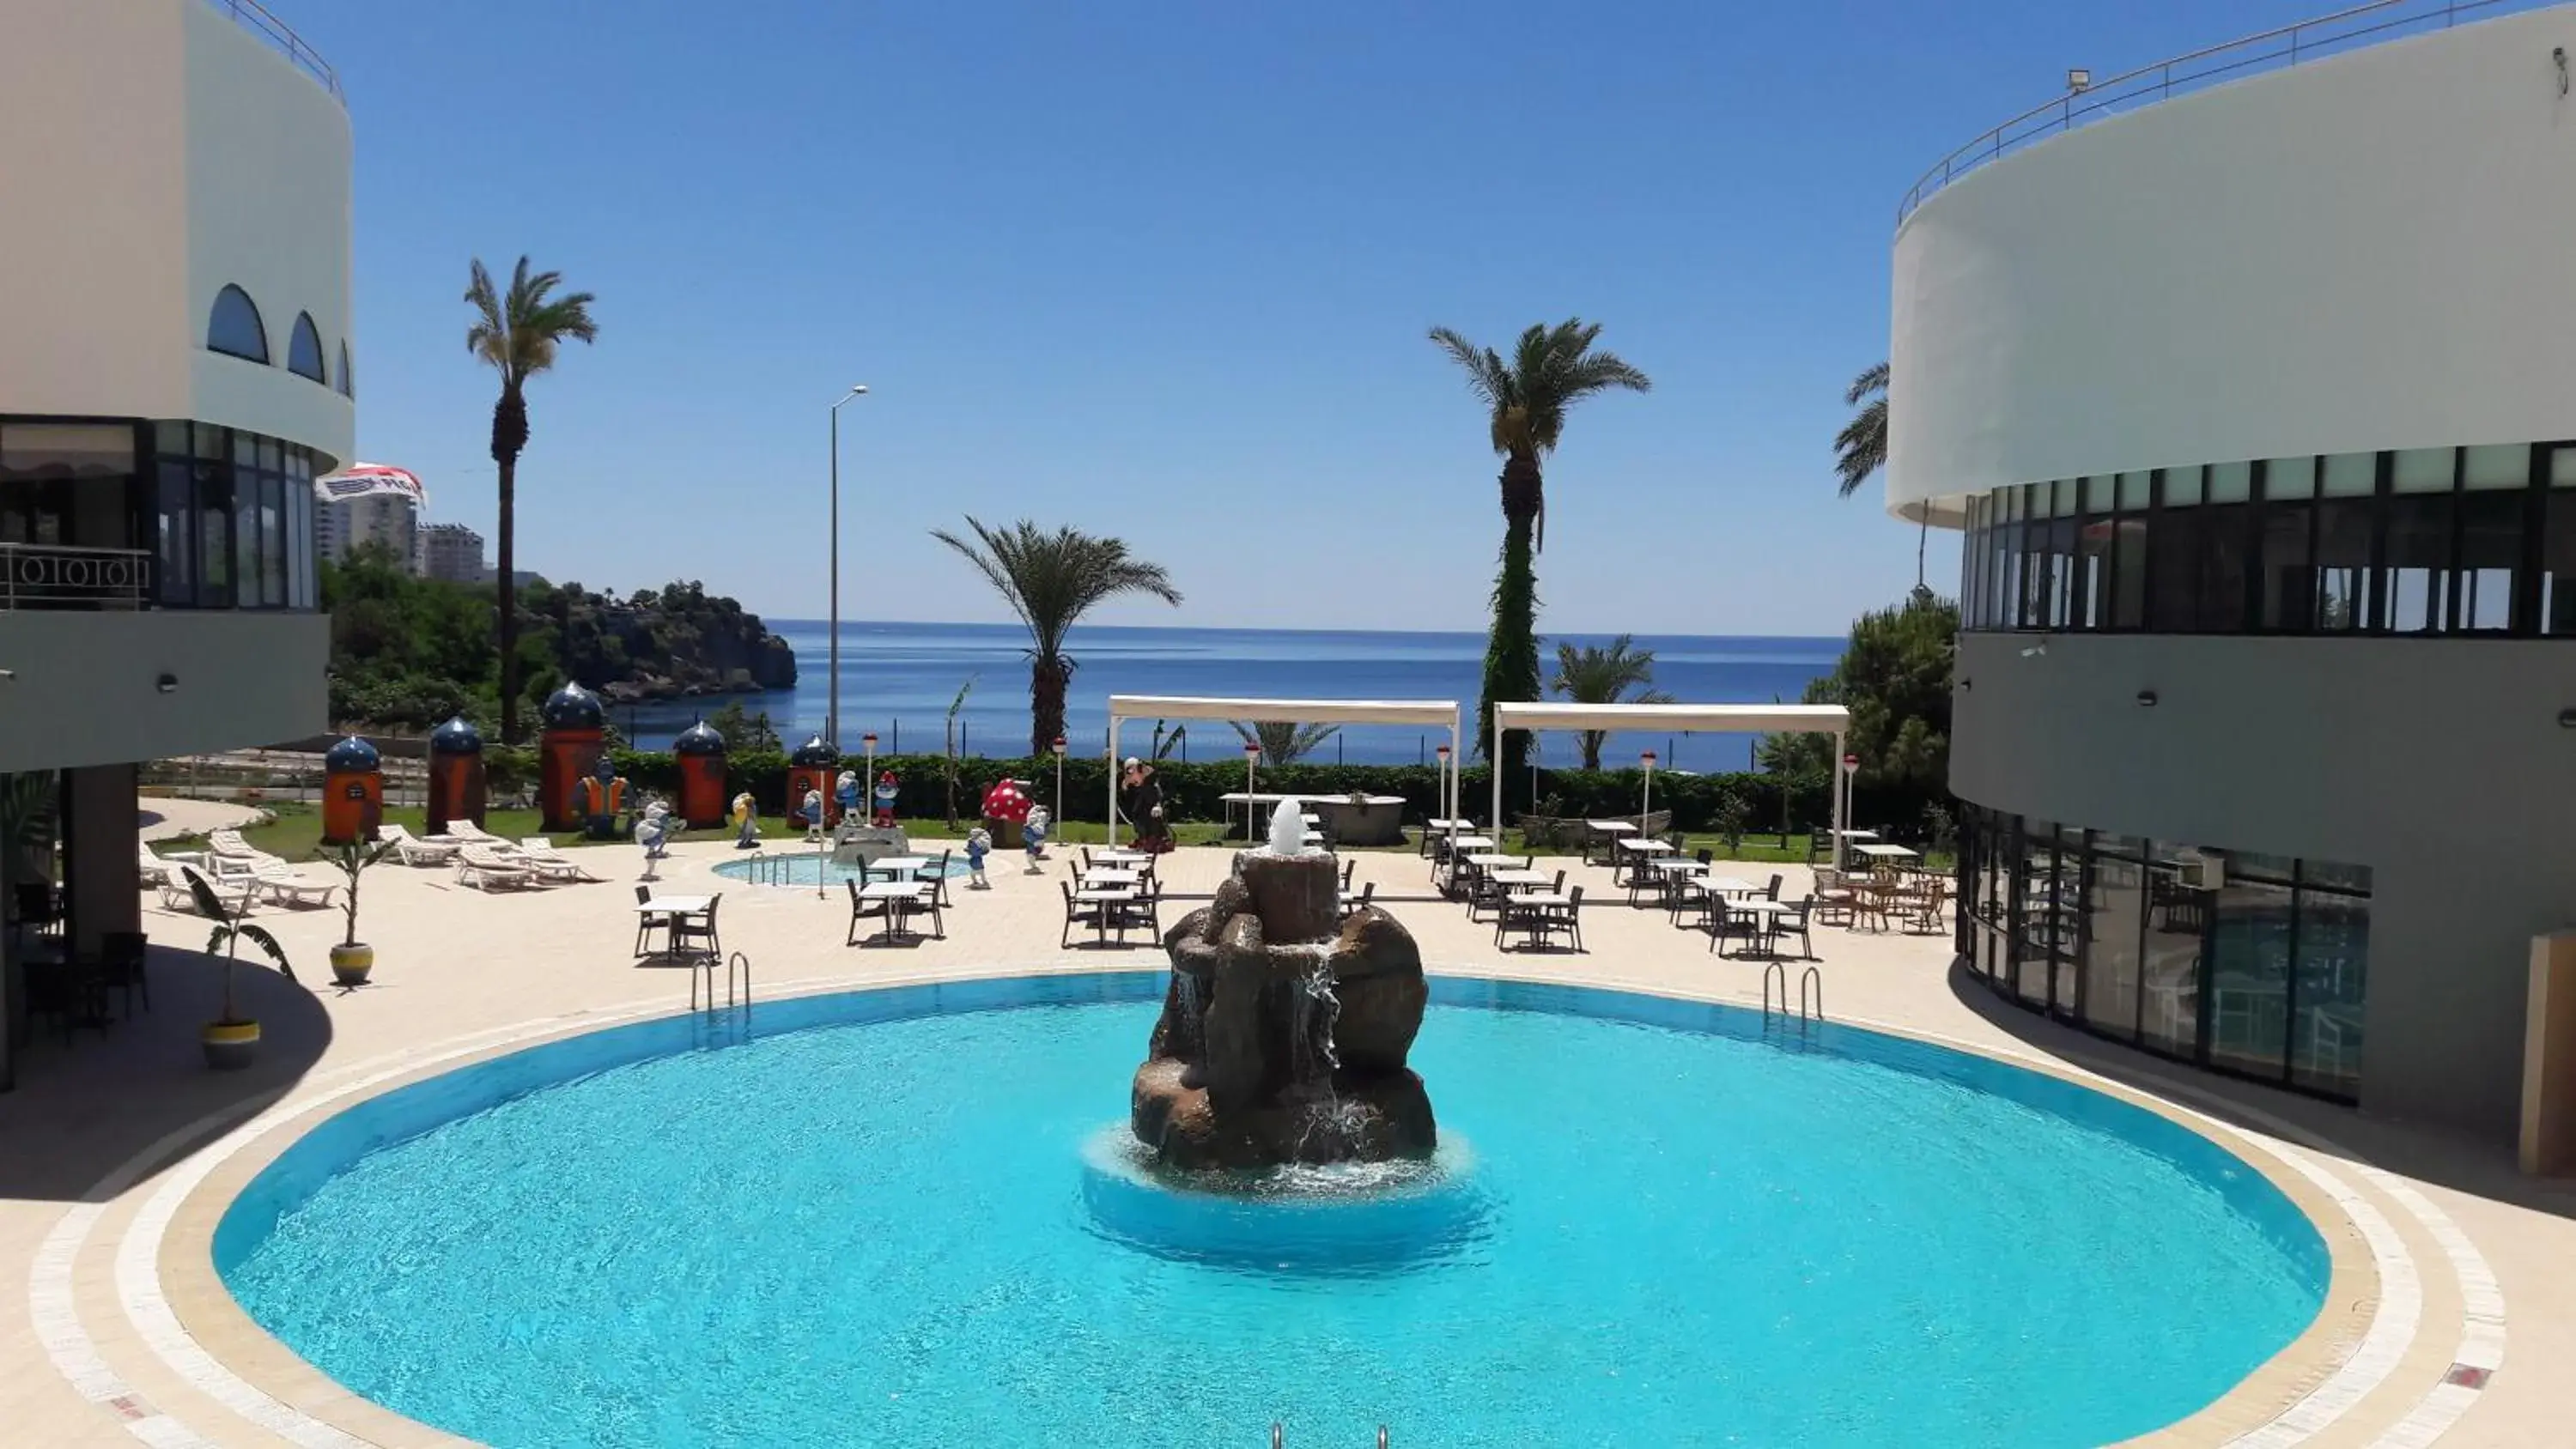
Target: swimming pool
(891,1218)
(784,869)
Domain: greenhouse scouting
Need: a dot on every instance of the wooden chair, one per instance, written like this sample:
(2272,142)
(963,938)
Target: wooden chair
(1834,896)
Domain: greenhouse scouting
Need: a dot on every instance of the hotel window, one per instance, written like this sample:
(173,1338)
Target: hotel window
(2115,920)
(304,349)
(2495,486)
(234,328)
(2558,545)
(2225,540)
(348,382)
(2128,572)
(2346,513)
(2289,567)
(2415,576)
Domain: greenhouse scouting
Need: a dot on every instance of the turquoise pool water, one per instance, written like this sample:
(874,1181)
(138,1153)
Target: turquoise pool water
(781,868)
(896,1218)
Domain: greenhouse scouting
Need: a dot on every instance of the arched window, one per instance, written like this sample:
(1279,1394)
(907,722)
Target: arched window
(235,327)
(348,384)
(304,349)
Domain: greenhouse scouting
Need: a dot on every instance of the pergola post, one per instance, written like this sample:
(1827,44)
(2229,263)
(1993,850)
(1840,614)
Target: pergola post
(1112,816)
(1495,761)
(1842,813)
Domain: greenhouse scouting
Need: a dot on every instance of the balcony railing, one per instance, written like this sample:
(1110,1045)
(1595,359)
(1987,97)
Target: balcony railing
(2271,50)
(249,15)
(41,576)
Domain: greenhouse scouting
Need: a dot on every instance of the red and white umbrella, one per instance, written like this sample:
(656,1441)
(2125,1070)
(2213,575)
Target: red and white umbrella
(366,480)
(1007,801)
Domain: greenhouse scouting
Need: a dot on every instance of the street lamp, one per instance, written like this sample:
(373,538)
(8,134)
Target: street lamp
(1251,757)
(832,712)
(1447,806)
(1646,805)
(1059,777)
(868,781)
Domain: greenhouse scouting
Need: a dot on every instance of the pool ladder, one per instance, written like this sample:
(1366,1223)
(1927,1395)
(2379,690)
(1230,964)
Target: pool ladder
(737,970)
(1809,981)
(1279,1435)
(763,868)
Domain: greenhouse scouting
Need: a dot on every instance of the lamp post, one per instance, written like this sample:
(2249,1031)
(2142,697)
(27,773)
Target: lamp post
(1646,804)
(832,711)
(1251,757)
(1059,777)
(868,780)
(1444,807)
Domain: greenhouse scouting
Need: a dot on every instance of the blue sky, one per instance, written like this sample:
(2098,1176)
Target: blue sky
(1164,269)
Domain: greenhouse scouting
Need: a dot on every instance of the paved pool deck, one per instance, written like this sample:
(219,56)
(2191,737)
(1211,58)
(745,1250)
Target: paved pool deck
(2452,1319)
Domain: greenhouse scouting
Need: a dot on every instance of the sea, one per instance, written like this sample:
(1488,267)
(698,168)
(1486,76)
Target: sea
(898,679)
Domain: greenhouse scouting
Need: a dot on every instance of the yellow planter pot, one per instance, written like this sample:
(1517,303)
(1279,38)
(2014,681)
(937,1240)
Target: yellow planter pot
(230,1045)
(350,964)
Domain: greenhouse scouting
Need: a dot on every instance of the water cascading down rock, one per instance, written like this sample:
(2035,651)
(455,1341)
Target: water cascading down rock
(1284,1031)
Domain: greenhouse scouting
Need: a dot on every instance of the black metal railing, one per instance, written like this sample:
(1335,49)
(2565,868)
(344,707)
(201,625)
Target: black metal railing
(250,16)
(44,576)
(2270,50)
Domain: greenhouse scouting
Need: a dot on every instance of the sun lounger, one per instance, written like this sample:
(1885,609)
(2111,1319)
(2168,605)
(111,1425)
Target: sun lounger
(482,867)
(288,886)
(233,894)
(551,864)
(410,849)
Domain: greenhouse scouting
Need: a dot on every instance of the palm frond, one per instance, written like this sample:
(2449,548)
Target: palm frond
(1284,743)
(519,333)
(1550,370)
(1051,579)
(1872,381)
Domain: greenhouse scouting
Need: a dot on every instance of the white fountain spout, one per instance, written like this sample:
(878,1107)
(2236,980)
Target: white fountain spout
(1287,829)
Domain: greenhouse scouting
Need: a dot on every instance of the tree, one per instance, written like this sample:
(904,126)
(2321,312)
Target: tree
(1051,580)
(1894,677)
(518,336)
(744,732)
(1526,400)
(1594,675)
(1285,744)
(1860,449)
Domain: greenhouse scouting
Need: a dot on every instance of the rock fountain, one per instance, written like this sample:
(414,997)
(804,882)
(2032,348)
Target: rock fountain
(1285,1027)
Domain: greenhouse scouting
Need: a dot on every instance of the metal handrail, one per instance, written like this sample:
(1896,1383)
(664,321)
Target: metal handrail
(50,576)
(2289,45)
(251,16)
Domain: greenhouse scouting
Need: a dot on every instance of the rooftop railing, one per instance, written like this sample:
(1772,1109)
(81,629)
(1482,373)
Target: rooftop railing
(250,16)
(42,576)
(2280,49)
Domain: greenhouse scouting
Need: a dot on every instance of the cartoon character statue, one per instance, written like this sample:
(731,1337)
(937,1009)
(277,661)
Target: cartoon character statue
(887,789)
(811,813)
(1033,833)
(979,843)
(845,794)
(746,822)
(654,829)
(600,798)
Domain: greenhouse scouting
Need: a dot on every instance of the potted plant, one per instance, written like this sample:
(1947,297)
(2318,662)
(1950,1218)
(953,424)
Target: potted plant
(352,959)
(231,1040)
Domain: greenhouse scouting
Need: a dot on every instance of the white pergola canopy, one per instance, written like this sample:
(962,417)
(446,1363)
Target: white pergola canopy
(1831,719)
(1438,713)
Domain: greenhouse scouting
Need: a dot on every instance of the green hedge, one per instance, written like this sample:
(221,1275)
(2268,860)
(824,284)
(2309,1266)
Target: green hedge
(1192,791)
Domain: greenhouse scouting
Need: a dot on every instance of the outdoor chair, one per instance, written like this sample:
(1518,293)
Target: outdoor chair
(1524,916)
(1353,905)
(550,864)
(1771,892)
(1878,897)
(36,910)
(1834,896)
(689,927)
(1144,912)
(934,876)
(120,967)
(151,868)
(1794,922)
(1568,917)
(1930,894)
(483,867)
(646,921)
(1724,921)
(1079,913)
(1349,866)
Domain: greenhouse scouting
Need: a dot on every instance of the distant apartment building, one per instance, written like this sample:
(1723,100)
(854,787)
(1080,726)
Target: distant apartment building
(452,553)
(344,524)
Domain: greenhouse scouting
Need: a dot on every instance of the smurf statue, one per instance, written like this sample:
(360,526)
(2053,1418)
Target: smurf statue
(1033,833)
(811,813)
(654,829)
(845,794)
(886,791)
(746,822)
(979,843)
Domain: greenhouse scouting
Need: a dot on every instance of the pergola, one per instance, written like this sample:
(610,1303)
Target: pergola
(1442,713)
(1768,719)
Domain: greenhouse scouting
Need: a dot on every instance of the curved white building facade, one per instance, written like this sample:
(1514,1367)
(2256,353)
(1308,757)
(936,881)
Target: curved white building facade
(2258,406)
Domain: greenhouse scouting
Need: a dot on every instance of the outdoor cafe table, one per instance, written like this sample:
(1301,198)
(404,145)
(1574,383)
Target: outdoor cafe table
(1883,854)
(1605,830)
(896,867)
(1120,859)
(1640,850)
(899,896)
(1518,878)
(1101,877)
(1490,861)
(1101,898)
(669,909)
(1766,914)
(1471,843)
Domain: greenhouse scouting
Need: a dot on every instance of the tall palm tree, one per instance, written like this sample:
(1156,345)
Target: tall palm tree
(1526,400)
(1050,580)
(1594,675)
(1860,449)
(1285,744)
(518,336)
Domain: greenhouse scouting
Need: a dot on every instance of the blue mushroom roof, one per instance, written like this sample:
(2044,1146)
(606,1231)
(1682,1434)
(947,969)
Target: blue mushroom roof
(351,754)
(698,739)
(815,752)
(573,708)
(456,737)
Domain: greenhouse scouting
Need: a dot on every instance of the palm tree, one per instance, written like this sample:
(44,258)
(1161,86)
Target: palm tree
(1860,449)
(518,336)
(1050,580)
(1526,400)
(1285,744)
(1594,675)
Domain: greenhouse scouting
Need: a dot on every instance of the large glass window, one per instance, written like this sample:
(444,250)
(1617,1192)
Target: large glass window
(234,328)
(2178,920)
(2347,509)
(2289,563)
(2558,545)
(2249,977)
(2115,916)
(304,349)
(2332,976)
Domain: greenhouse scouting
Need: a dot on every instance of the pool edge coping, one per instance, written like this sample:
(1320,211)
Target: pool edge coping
(167,1278)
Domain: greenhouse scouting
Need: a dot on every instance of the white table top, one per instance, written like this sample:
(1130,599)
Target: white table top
(1759,907)
(1102,877)
(1611,827)
(1106,893)
(898,865)
(890,890)
(1493,862)
(1730,885)
(1646,847)
(1679,866)
(1883,852)
(1544,898)
(1519,877)
(1439,824)
(680,905)
(1119,857)
(1471,842)
(1855,834)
